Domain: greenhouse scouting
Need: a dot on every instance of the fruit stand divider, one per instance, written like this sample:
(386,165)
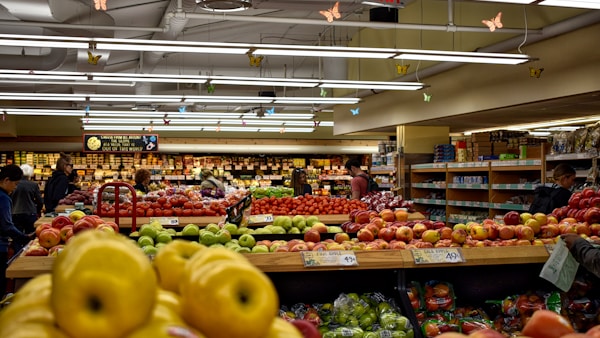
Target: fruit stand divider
(117,186)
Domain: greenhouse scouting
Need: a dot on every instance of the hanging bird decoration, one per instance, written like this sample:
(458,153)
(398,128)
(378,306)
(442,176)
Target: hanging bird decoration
(100,5)
(535,72)
(402,69)
(332,13)
(323,92)
(165,121)
(426,97)
(355,111)
(494,22)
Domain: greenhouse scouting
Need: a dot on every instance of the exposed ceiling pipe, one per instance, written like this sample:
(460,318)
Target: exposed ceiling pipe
(342,23)
(548,32)
(79,26)
(50,61)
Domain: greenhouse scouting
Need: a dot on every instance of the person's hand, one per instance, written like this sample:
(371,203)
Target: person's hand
(31,235)
(570,239)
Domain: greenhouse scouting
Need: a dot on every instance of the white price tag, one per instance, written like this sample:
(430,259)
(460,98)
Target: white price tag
(437,256)
(329,258)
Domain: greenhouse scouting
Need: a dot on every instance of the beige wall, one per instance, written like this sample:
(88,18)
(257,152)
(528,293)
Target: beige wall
(420,140)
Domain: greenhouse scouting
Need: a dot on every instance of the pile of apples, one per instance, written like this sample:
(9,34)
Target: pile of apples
(306,205)
(188,290)
(583,206)
(51,237)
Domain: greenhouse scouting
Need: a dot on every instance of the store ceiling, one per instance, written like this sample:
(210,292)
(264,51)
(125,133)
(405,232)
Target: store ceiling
(76,18)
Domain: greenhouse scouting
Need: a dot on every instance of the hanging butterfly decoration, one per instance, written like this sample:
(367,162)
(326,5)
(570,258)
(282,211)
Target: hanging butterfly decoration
(4,116)
(317,123)
(255,60)
(218,128)
(535,72)
(355,111)
(93,59)
(210,88)
(100,5)
(494,22)
(323,92)
(402,69)
(165,121)
(282,130)
(332,13)
(31,72)
(426,97)
(182,109)
(270,111)
(87,117)
(151,127)
(243,123)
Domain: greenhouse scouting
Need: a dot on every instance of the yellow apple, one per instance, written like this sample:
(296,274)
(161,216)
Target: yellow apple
(34,330)
(281,328)
(211,254)
(214,295)
(170,261)
(101,284)
(160,329)
(38,285)
(169,299)
(24,311)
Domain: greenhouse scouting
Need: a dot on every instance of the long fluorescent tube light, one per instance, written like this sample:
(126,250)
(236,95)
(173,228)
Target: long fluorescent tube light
(197,128)
(471,57)
(239,48)
(522,2)
(545,124)
(375,85)
(590,4)
(222,121)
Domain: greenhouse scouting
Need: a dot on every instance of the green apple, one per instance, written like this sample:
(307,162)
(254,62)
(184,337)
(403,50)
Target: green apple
(243,249)
(232,228)
(208,238)
(171,231)
(217,245)
(190,230)
(294,231)
(212,227)
(310,220)
(164,237)
(134,234)
(145,241)
(278,230)
(156,225)
(160,245)
(299,222)
(148,230)
(261,248)
(247,240)
(283,221)
(223,236)
(334,229)
(149,250)
(232,242)
(263,231)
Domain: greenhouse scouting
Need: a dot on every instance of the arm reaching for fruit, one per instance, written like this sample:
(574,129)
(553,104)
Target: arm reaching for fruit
(584,252)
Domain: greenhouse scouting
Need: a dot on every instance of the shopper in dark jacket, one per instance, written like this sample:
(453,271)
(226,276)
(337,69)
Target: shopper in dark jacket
(58,185)
(584,252)
(142,180)
(27,201)
(10,176)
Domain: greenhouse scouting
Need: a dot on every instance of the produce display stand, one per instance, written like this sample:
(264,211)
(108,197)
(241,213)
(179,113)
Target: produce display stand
(117,186)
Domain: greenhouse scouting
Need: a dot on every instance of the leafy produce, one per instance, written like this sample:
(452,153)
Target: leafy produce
(278,192)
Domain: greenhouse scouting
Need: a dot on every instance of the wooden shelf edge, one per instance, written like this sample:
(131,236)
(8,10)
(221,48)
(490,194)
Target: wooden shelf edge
(31,266)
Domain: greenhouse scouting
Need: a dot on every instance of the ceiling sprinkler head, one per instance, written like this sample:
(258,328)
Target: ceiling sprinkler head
(224,5)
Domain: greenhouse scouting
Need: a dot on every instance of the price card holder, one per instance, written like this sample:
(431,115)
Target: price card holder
(250,167)
(238,167)
(263,218)
(227,167)
(263,167)
(438,256)
(329,258)
(171,221)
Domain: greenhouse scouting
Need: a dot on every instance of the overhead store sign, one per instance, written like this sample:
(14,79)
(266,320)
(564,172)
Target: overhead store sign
(120,143)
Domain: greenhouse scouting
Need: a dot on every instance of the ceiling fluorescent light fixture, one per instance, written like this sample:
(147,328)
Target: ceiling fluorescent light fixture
(470,57)
(589,4)
(266,82)
(385,3)
(195,128)
(522,2)
(44,112)
(372,85)
(324,51)
(224,5)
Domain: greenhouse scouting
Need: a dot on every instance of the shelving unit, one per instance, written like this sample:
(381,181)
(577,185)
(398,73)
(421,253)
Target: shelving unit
(473,191)
(585,165)
(385,176)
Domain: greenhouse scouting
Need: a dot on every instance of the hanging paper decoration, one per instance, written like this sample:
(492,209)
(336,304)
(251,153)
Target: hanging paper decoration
(317,123)
(243,123)
(100,5)
(282,130)
(402,69)
(271,111)
(182,109)
(355,111)
(494,22)
(165,121)
(4,116)
(323,92)
(255,60)
(151,127)
(535,72)
(332,13)
(426,97)
(93,59)
(218,128)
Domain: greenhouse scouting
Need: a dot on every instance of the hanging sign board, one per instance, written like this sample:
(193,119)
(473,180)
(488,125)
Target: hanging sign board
(120,143)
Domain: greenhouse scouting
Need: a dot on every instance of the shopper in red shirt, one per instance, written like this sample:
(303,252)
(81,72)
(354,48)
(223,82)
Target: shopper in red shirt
(360,180)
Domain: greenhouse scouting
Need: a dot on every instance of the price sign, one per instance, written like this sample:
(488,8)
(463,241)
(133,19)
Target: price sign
(250,167)
(263,167)
(263,218)
(238,167)
(285,167)
(227,167)
(438,255)
(329,258)
(166,220)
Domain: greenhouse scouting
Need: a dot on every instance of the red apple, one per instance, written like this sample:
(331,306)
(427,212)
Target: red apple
(419,229)
(318,247)
(397,245)
(387,215)
(299,247)
(387,234)
(41,227)
(320,227)
(113,225)
(341,237)
(373,228)
(84,223)
(49,237)
(401,215)
(492,230)
(60,221)
(404,233)
(583,229)
(308,329)
(524,232)
(588,192)
(445,232)
(549,231)
(362,217)
(511,218)
(64,231)
(365,235)
(378,221)
(574,200)
(459,236)
(36,250)
(592,215)
(312,235)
